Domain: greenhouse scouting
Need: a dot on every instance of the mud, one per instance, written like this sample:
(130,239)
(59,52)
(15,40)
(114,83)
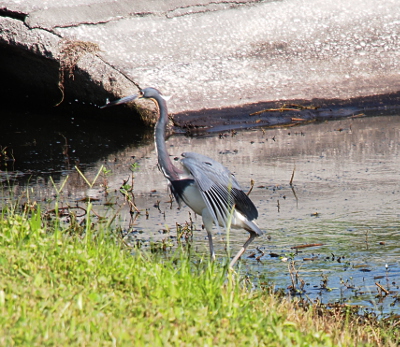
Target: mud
(285,112)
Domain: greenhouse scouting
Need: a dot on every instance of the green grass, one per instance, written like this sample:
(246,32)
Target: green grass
(64,288)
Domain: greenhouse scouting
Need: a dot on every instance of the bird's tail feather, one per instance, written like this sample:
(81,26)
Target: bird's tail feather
(252,227)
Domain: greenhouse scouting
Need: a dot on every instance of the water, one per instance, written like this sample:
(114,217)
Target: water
(345,198)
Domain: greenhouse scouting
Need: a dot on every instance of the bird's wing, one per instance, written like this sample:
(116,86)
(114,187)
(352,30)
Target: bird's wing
(218,187)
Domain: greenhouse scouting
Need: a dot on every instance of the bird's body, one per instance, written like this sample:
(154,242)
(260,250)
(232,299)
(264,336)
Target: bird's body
(206,193)
(205,185)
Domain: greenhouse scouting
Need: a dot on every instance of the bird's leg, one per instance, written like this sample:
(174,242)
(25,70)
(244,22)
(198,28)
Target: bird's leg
(210,242)
(208,224)
(242,250)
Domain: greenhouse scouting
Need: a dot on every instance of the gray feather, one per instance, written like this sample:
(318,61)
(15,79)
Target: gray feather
(218,187)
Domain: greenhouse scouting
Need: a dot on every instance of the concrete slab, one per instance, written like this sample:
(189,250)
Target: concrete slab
(212,54)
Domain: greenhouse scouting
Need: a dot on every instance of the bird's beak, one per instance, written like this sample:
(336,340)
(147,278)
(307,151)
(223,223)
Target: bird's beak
(124,100)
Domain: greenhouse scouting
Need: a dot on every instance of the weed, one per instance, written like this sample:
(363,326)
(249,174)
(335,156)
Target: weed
(67,279)
(93,291)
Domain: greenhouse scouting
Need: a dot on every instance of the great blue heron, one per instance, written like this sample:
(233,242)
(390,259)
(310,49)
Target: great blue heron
(204,185)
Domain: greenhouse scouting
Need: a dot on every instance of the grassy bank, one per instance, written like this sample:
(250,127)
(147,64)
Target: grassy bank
(62,287)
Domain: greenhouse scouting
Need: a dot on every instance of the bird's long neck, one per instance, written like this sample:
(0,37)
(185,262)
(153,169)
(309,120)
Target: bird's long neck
(164,162)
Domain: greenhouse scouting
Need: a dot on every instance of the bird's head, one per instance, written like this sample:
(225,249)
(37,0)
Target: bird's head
(149,93)
(146,93)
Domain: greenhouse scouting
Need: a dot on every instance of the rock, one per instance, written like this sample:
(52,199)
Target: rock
(206,54)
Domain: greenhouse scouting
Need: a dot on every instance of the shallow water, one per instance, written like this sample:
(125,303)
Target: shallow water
(345,196)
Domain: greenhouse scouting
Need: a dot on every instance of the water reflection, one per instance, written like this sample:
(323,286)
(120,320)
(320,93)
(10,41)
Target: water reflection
(53,142)
(345,196)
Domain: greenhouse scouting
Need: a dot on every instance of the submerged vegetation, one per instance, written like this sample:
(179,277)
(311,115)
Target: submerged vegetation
(65,282)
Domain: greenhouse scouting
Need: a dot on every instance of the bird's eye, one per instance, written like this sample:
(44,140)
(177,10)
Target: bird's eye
(206,162)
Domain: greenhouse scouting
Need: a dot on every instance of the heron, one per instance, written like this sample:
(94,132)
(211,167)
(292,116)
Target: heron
(203,184)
